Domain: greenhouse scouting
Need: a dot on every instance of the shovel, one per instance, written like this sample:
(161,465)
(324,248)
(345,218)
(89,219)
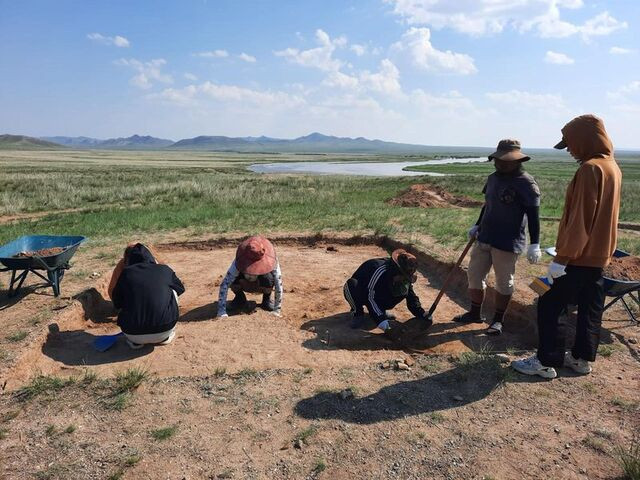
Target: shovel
(105,342)
(429,316)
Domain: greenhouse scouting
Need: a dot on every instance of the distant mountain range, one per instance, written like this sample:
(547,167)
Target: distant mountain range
(133,142)
(313,143)
(22,142)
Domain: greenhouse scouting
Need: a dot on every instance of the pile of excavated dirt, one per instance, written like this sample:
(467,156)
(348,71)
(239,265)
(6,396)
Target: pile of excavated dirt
(45,252)
(430,196)
(623,268)
(314,331)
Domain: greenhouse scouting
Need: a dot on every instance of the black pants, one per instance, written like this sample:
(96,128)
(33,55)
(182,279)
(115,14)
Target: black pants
(582,286)
(263,284)
(350,291)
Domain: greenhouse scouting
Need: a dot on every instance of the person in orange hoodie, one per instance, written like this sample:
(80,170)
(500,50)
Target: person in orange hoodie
(587,237)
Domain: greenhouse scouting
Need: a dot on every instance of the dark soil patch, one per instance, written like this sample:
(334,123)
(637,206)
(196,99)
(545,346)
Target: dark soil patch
(45,252)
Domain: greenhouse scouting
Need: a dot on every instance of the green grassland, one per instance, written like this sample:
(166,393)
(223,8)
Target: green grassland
(120,194)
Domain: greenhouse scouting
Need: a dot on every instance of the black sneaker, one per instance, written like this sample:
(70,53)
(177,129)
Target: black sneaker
(468,318)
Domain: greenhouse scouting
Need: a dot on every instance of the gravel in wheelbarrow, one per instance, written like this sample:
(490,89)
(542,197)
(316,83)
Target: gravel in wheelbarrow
(623,268)
(44,252)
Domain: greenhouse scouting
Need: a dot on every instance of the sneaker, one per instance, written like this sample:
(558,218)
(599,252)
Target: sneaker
(134,346)
(532,366)
(468,318)
(576,364)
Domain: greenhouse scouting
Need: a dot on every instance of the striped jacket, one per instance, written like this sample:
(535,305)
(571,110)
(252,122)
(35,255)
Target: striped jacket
(374,288)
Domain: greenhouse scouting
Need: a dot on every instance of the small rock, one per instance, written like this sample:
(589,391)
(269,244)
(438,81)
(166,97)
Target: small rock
(583,470)
(402,366)
(556,429)
(567,446)
(299,444)
(311,329)
(331,248)
(633,340)
(457,398)
(94,275)
(503,358)
(410,361)
(385,365)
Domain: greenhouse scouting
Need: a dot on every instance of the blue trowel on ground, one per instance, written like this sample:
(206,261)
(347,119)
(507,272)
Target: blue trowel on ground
(105,342)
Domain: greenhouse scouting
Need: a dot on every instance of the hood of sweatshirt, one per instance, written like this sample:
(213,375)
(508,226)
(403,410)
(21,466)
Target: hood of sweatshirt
(586,138)
(139,254)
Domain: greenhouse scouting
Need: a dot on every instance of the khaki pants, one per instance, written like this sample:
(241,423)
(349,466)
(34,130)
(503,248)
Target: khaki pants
(483,257)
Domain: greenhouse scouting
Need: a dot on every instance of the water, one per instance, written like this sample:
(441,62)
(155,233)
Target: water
(378,169)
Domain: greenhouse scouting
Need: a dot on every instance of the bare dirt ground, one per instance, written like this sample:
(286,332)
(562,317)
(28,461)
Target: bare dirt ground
(429,196)
(302,396)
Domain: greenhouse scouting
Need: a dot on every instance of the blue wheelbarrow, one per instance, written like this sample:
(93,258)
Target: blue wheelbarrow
(617,289)
(54,265)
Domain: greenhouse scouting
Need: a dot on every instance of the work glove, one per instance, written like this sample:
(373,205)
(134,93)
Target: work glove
(534,253)
(222,314)
(555,270)
(473,231)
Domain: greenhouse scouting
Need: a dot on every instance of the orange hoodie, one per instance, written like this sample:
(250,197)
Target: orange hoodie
(588,230)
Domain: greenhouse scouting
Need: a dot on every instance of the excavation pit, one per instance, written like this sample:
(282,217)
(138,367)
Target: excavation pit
(313,331)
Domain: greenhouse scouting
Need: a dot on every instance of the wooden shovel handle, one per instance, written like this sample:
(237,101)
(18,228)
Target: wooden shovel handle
(450,275)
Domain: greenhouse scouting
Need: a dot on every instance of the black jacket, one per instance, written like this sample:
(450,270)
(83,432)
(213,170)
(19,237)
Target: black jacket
(144,295)
(374,279)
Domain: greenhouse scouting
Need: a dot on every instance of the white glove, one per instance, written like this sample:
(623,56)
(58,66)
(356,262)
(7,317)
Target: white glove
(534,254)
(473,231)
(222,314)
(556,270)
(276,313)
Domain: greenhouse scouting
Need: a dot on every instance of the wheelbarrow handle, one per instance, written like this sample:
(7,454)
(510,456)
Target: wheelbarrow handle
(450,276)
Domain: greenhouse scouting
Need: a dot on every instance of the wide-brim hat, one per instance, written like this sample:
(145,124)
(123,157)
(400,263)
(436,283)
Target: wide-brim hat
(509,150)
(256,256)
(407,263)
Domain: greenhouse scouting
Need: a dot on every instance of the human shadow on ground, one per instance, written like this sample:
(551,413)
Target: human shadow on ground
(462,385)
(96,308)
(334,332)
(75,348)
(210,311)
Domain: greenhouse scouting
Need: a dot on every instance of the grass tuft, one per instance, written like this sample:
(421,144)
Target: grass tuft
(164,433)
(17,336)
(629,459)
(129,380)
(41,385)
(319,466)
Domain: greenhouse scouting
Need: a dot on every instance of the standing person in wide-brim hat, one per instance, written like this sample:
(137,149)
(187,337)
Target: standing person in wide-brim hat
(512,199)
(254,270)
(380,284)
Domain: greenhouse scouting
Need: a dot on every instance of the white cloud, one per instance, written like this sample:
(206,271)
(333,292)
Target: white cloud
(620,51)
(425,55)
(234,94)
(625,91)
(247,58)
(148,72)
(190,76)
(522,100)
(385,81)
(341,80)
(116,41)
(558,58)
(482,17)
(449,102)
(320,57)
(212,54)
(359,50)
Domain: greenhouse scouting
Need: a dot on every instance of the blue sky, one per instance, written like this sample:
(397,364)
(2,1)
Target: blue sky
(439,72)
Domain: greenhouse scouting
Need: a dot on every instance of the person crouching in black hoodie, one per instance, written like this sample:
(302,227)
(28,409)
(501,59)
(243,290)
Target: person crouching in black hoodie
(146,295)
(380,284)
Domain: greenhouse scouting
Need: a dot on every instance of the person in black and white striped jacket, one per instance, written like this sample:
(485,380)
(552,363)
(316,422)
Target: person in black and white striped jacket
(380,284)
